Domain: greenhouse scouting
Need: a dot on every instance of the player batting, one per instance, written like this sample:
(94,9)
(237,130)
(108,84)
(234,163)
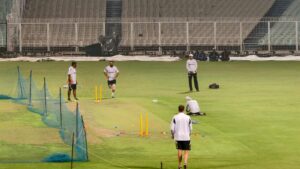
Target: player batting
(111,73)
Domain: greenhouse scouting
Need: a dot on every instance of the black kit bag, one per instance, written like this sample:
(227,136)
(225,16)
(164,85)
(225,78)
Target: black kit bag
(214,86)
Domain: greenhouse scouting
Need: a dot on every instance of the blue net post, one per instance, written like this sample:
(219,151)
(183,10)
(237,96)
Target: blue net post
(21,94)
(45,97)
(30,89)
(86,146)
(77,118)
(60,109)
(72,152)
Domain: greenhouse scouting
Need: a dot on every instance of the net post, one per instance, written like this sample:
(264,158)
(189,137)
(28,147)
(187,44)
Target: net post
(45,97)
(30,89)
(60,108)
(161,165)
(20,83)
(72,152)
(76,118)
(86,146)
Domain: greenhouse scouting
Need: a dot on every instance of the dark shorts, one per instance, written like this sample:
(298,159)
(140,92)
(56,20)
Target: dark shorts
(72,87)
(196,114)
(183,145)
(111,82)
(192,74)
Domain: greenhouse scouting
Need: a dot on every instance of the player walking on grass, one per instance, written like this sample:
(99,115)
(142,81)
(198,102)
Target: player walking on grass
(181,128)
(111,73)
(72,81)
(192,66)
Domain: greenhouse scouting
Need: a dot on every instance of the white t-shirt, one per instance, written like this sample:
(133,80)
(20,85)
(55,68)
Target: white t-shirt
(191,65)
(192,106)
(181,126)
(111,72)
(72,73)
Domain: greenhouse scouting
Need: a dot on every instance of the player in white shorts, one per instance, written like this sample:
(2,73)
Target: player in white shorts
(111,73)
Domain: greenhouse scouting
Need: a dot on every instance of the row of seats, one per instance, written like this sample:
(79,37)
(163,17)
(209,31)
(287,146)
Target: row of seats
(5,7)
(35,35)
(65,9)
(65,13)
(148,11)
(143,33)
(284,32)
(176,33)
(190,10)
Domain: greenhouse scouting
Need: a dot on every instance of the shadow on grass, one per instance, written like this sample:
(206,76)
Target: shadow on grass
(5,97)
(185,92)
(107,98)
(206,166)
(227,165)
(142,167)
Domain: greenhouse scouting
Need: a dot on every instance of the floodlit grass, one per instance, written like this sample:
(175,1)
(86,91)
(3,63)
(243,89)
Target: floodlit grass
(24,138)
(252,121)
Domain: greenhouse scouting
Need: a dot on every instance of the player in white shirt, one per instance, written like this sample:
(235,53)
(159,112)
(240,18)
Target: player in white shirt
(192,107)
(192,66)
(111,73)
(181,128)
(72,80)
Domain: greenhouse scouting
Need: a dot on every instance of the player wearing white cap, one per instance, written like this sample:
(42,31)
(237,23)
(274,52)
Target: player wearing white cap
(192,66)
(192,107)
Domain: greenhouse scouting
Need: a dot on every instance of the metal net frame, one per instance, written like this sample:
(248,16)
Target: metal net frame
(54,113)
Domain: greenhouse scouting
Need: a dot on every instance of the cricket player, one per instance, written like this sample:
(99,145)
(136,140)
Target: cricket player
(192,107)
(111,73)
(72,81)
(192,66)
(181,128)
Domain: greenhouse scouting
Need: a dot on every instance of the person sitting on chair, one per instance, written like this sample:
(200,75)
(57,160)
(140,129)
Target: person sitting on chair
(192,107)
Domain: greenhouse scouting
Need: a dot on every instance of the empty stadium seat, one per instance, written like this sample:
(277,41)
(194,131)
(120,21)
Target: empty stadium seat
(64,13)
(200,14)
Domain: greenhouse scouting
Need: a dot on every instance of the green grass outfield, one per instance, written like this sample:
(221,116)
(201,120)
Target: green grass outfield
(252,122)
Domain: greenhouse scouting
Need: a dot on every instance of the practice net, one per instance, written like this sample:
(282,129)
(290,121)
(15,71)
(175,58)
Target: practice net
(55,114)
